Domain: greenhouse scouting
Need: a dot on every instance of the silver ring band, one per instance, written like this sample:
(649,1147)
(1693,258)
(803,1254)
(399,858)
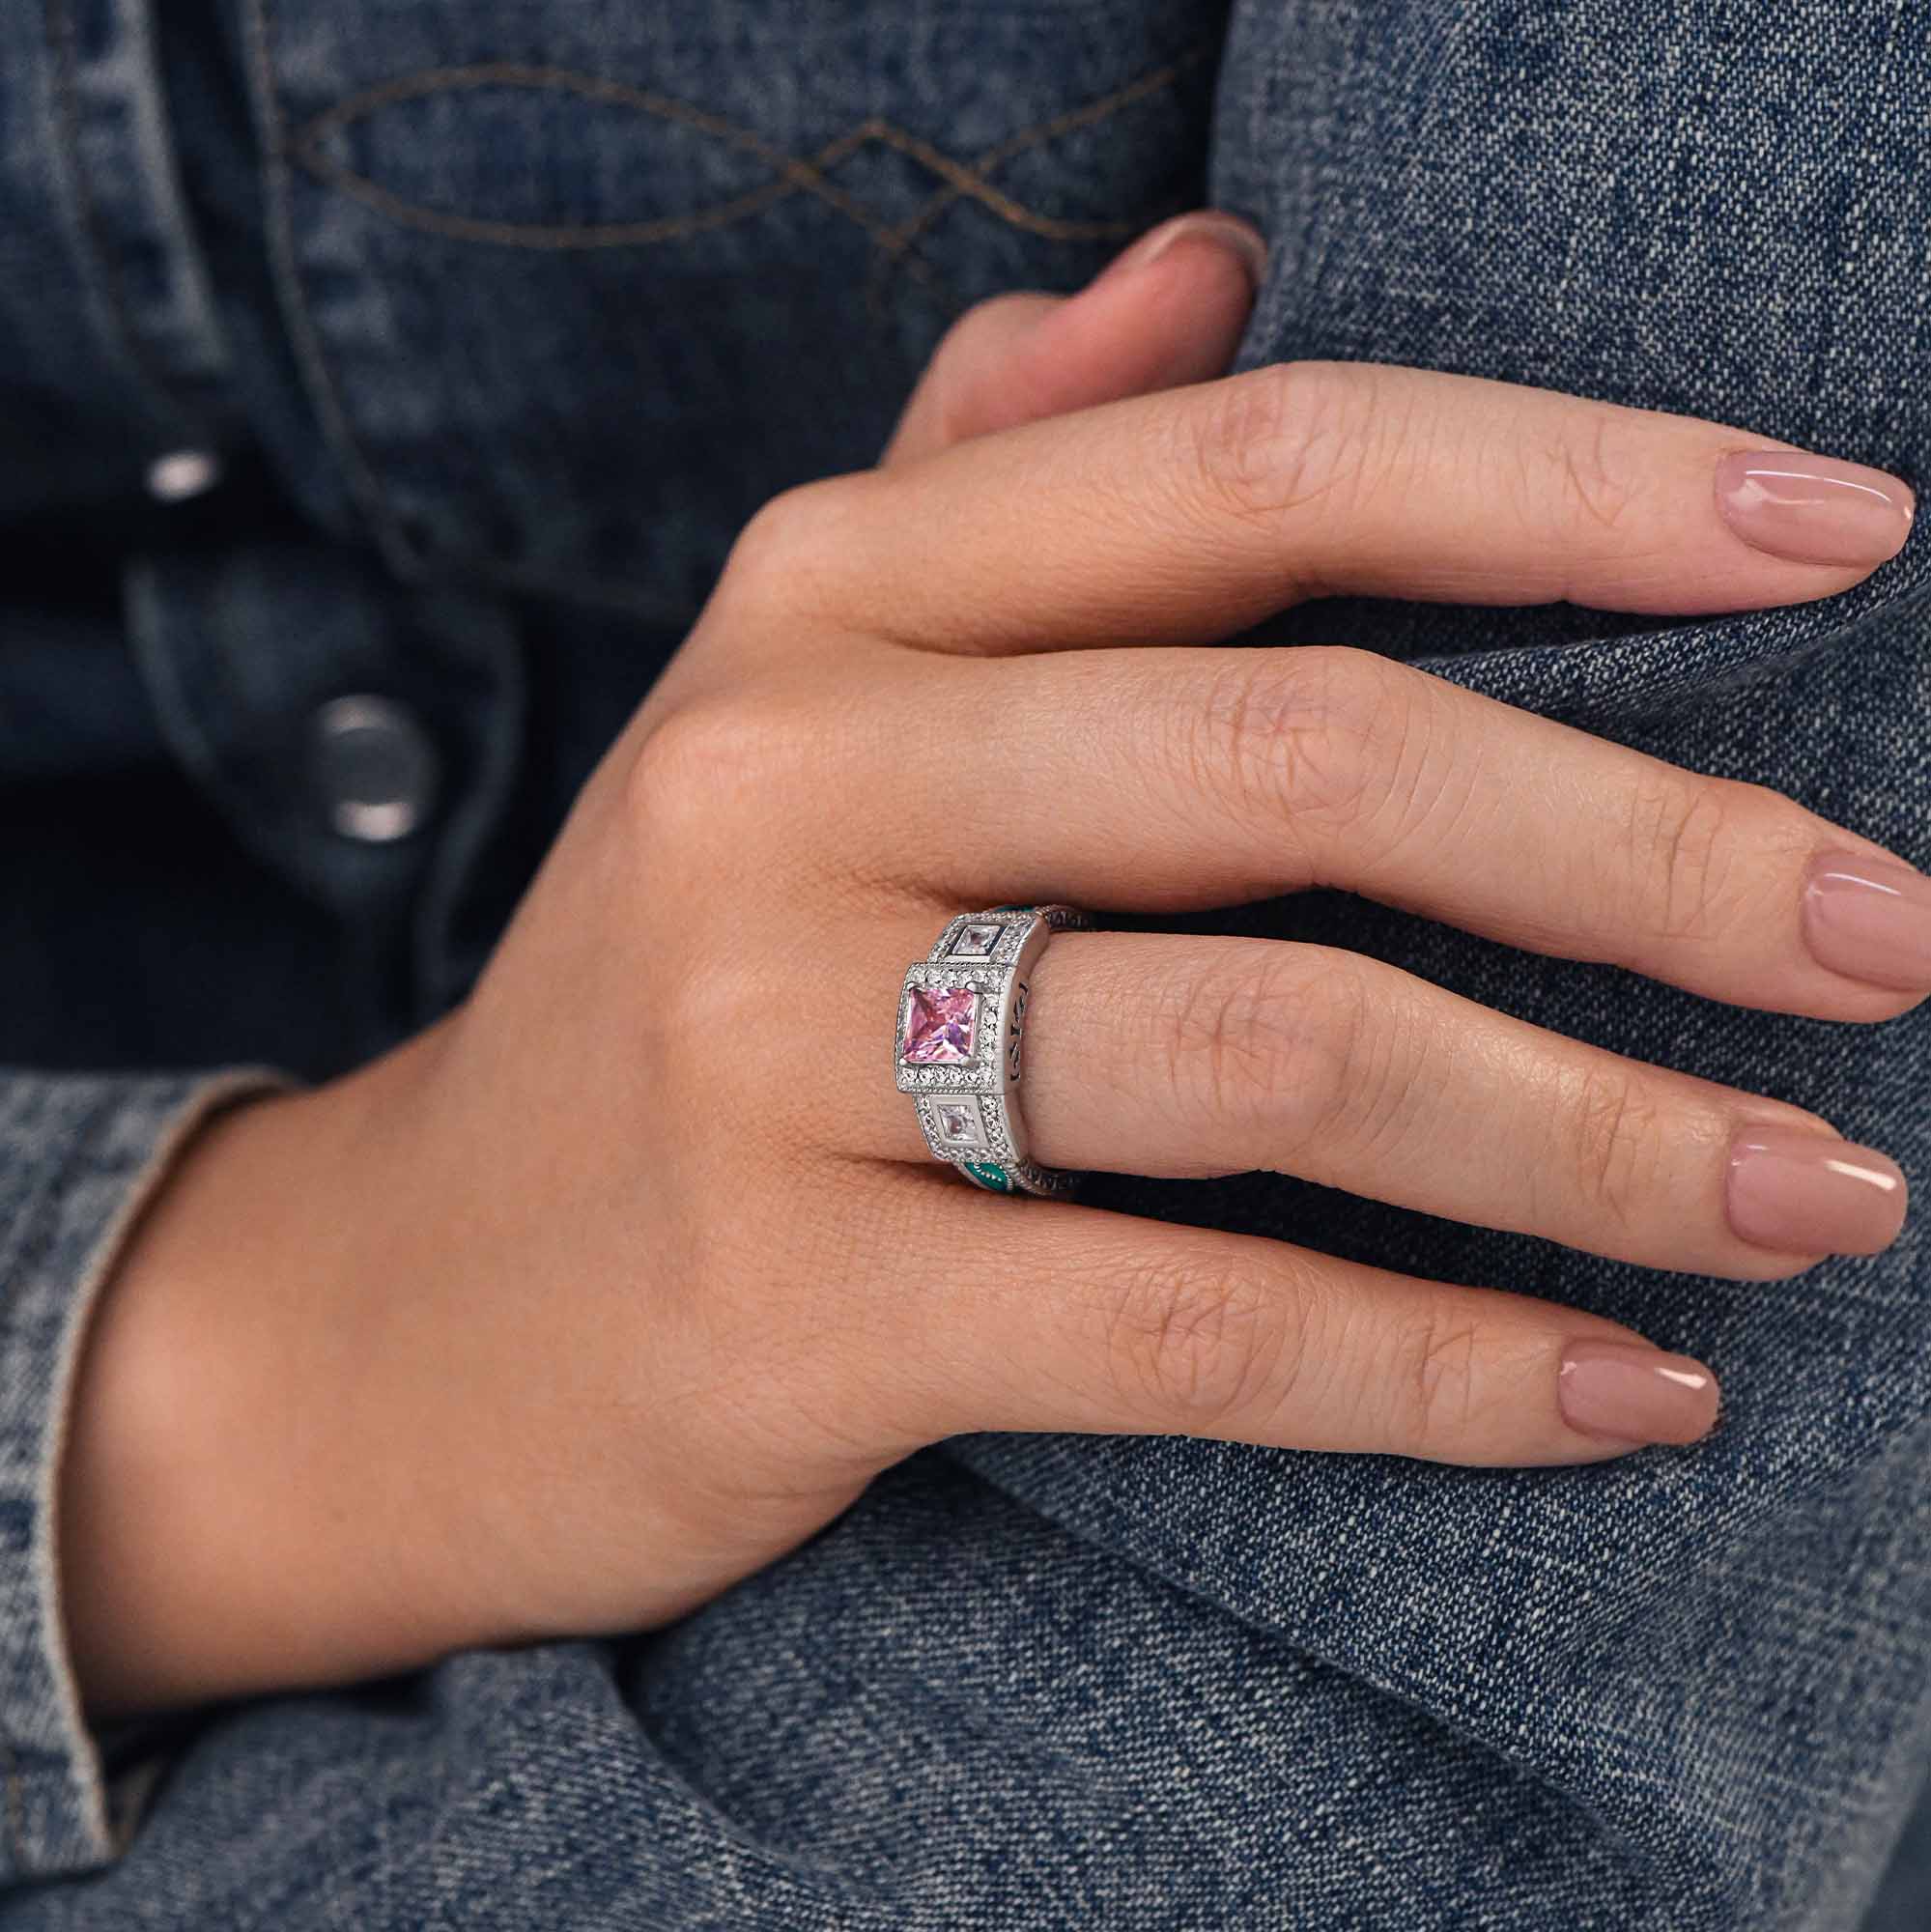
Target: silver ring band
(961,1045)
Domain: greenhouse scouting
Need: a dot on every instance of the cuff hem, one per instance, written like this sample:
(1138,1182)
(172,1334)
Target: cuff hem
(93,1152)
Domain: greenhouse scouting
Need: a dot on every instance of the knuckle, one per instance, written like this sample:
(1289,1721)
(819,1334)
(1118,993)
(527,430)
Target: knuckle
(1283,1038)
(1598,483)
(709,763)
(781,566)
(1435,1384)
(1196,1345)
(988,319)
(1283,442)
(1690,879)
(973,350)
(1306,735)
(1616,1147)
(763,550)
(706,996)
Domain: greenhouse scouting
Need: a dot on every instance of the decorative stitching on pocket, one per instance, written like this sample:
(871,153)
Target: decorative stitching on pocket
(1090,115)
(792,174)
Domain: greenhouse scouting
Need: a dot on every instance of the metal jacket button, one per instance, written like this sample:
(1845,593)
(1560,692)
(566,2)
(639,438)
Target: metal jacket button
(374,768)
(183,474)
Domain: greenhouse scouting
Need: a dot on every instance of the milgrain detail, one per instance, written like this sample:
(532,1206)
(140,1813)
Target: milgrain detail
(791,174)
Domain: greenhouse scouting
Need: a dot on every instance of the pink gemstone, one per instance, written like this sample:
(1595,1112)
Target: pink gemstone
(939,1026)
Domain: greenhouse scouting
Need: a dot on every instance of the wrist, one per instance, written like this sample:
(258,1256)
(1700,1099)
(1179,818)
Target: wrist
(214,1534)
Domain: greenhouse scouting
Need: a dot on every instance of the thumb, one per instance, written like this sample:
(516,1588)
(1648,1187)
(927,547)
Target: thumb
(1168,311)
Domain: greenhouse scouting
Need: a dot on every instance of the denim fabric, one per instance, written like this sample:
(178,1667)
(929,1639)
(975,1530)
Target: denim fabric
(502,317)
(81,1156)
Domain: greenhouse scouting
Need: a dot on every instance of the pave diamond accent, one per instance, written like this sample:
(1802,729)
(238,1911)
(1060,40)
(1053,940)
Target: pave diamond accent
(948,1076)
(961,979)
(940,1027)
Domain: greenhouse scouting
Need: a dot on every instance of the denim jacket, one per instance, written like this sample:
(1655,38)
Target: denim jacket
(381,382)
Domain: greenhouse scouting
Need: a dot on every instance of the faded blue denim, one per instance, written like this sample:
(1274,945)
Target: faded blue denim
(504,315)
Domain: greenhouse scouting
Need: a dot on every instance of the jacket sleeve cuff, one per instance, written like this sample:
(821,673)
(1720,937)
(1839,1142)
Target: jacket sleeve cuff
(79,1158)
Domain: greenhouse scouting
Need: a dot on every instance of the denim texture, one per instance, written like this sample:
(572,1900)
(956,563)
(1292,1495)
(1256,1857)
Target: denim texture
(503,316)
(83,1154)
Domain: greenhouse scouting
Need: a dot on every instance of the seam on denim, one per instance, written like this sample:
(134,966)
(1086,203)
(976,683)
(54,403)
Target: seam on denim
(792,174)
(1265,323)
(192,271)
(33,1249)
(17,1824)
(458,855)
(304,338)
(62,48)
(195,1102)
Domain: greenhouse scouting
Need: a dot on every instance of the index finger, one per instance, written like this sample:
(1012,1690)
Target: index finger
(1193,514)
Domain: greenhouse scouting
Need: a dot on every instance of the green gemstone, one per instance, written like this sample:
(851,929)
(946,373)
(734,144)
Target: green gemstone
(992,1178)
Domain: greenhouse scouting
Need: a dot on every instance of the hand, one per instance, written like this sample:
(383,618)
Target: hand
(632,1273)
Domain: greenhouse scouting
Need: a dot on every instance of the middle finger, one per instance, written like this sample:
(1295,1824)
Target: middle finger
(1160,781)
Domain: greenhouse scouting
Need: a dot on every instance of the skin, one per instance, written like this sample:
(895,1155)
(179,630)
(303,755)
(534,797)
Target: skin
(588,1301)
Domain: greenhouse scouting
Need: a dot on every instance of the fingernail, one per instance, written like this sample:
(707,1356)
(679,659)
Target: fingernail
(1814,509)
(1634,1394)
(1803,1193)
(1224,231)
(1870,919)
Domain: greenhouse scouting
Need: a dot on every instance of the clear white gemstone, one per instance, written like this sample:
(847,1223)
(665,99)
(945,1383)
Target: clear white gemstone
(976,941)
(958,1122)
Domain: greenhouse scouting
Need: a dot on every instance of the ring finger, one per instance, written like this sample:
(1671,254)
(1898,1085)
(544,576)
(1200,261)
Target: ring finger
(1172,1055)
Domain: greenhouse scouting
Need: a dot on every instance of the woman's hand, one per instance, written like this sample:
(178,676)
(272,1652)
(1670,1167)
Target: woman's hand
(633,1271)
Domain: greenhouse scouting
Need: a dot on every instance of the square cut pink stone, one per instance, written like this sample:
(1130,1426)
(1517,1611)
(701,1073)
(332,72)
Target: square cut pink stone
(939,1027)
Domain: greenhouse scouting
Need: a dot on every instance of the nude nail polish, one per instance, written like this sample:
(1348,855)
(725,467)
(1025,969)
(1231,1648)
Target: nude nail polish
(1628,1393)
(1870,919)
(1803,1193)
(1207,224)
(1814,509)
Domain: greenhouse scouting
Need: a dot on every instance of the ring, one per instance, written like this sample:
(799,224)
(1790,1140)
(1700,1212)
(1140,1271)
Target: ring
(961,1042)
